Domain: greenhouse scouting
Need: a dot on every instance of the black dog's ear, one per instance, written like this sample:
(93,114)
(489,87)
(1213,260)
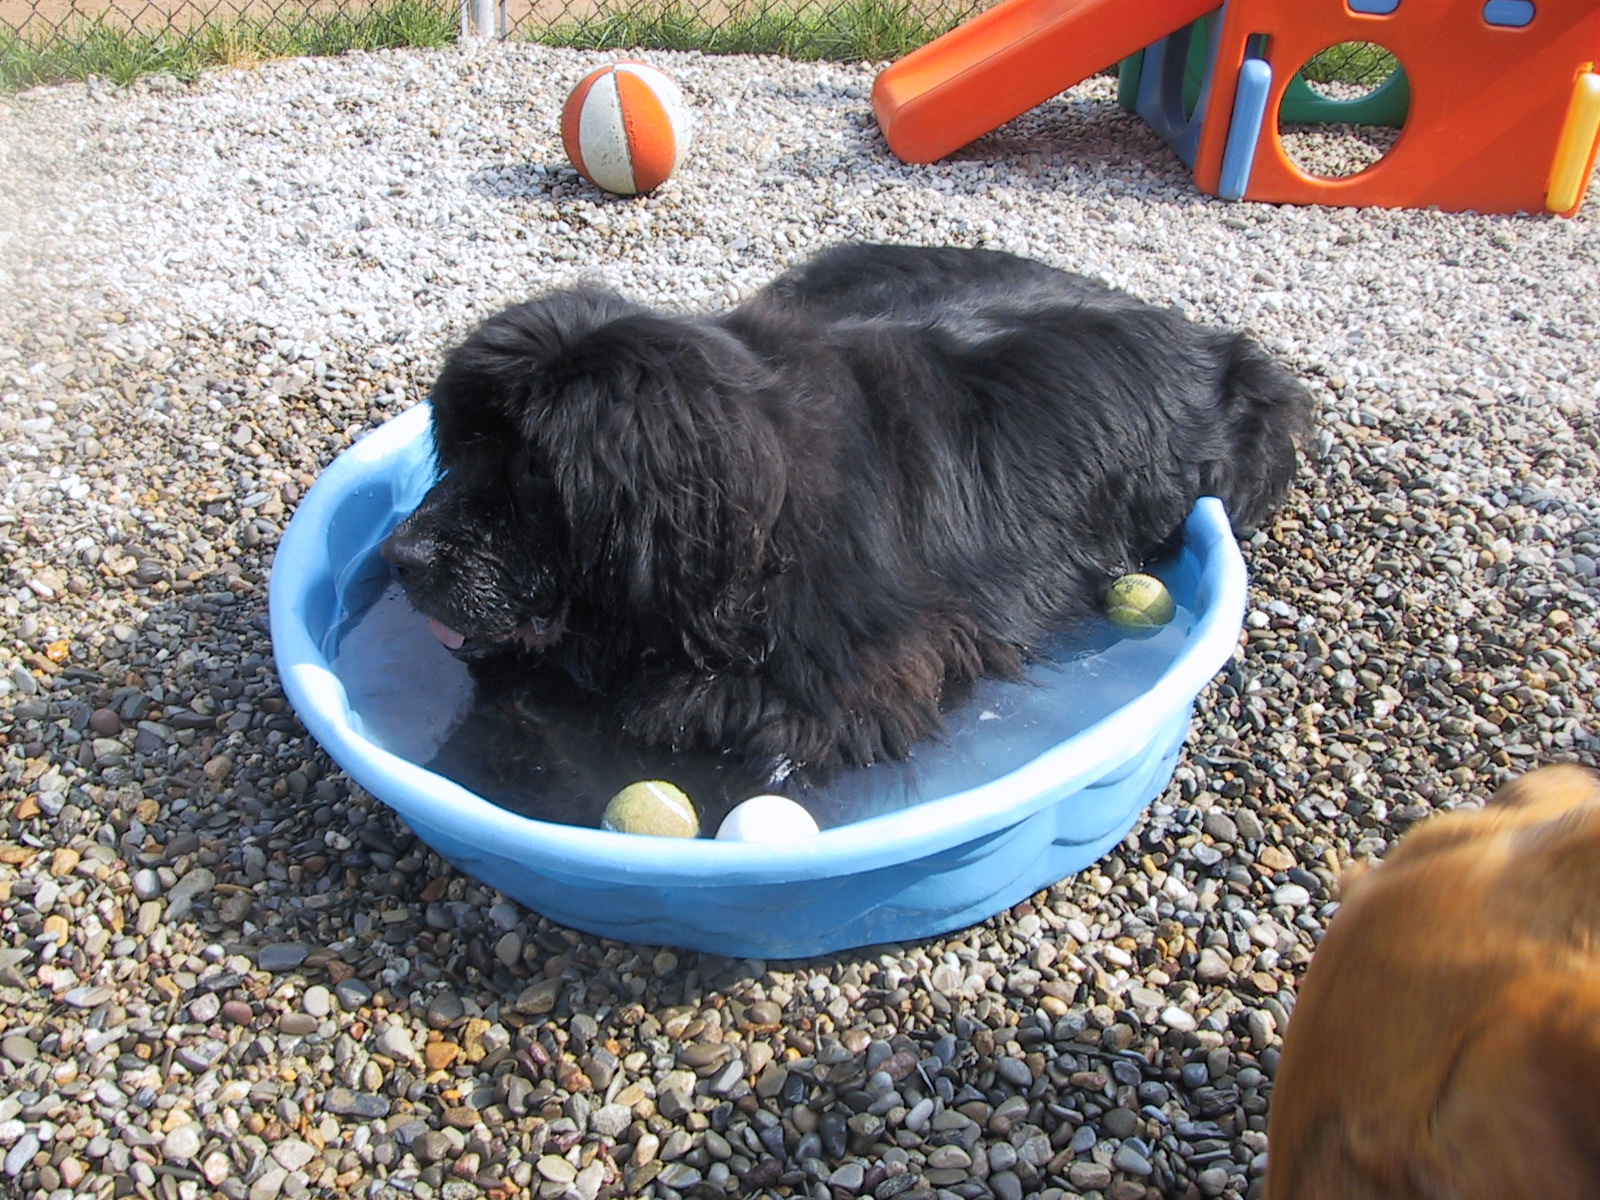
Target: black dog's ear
(1265,412)
(491,389)
(671,471)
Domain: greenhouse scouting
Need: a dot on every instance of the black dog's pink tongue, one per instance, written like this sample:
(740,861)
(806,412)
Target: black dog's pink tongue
(449,638)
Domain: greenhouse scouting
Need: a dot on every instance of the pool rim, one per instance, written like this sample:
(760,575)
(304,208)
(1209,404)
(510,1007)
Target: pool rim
(1090,755)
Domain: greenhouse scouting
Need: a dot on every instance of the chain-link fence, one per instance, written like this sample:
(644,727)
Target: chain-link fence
(46,41)
(535,19)
(43,40)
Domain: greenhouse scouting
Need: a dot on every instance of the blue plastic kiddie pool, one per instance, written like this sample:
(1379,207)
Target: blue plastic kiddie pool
(943,862)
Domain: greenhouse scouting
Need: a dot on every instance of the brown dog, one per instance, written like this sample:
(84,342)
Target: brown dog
(1446,1043)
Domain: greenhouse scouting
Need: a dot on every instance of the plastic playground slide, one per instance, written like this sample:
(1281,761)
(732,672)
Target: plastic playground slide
(1009,59)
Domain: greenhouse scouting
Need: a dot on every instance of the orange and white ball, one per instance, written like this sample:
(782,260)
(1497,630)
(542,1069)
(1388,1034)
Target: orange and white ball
(626,127)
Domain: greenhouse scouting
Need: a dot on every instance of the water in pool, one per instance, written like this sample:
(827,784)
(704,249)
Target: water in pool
(550,751)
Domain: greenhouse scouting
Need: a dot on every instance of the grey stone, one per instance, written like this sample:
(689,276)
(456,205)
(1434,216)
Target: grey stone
(352,994)
(610,1120)
(1014,1071)
(281,956)
(21,1153)
(1089,1176)
(1220,825)
(1120,1122)
(344,1102)
(1130,1160)
(181,896)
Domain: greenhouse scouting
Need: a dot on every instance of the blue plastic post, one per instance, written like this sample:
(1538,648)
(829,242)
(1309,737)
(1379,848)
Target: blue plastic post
(1244,131)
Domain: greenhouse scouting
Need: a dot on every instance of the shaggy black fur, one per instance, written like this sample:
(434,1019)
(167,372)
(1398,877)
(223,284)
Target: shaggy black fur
(794,530)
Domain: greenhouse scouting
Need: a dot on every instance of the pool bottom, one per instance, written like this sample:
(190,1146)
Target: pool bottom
(536,744)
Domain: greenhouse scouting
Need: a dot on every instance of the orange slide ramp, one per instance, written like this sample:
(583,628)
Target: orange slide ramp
(1008,59)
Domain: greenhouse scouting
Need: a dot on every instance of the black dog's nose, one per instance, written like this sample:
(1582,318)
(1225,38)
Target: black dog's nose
(407,553)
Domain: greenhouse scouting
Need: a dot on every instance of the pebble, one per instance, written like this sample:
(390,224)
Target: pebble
(679,1176)
(444,1010)
(297,1024)
(433,1145)
(183,1143)
(21,1152)
(269,1184)
(1261,1026)
(292,1154)
(610,1120)
(1015,1072)
(395,1041)
(281,956)
(1220,825)
(833,1131)
(105,722)
(238,1012)
(1212,967)
(849,1176)
(223,931)
(182,895)
(1177,1019)
(344,1102)
(87,997)
(1291,895)
(1130,1160)
(949,1158)
(1089,1176)
(1120,1122)
(20,1050)
(198,1055)
(352,994)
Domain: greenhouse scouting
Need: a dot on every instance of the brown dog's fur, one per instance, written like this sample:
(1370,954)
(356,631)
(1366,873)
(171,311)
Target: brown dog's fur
(1446,1043)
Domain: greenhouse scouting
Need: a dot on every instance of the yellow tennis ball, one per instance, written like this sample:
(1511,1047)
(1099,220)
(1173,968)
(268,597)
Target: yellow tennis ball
(654,807)
(1139,602)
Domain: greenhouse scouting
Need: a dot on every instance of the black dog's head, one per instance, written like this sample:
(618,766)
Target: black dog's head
(594,457)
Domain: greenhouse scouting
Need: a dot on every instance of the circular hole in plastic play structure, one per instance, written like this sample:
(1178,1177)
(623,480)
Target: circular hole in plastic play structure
(1344,110)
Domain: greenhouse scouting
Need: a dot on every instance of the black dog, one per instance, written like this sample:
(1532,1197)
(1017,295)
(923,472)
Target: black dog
(792,531)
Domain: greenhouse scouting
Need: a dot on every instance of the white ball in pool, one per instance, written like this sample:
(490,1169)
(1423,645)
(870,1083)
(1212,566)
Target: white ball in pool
(769,820)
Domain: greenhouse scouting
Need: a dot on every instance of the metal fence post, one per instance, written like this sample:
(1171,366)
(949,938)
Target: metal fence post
(482,18)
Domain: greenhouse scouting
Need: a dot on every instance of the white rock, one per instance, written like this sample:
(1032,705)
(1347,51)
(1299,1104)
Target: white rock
(1212,966)
(291,1154)
(216,1167)
(394,1041)
(1175,1018)
(183,1143)
(1291,895)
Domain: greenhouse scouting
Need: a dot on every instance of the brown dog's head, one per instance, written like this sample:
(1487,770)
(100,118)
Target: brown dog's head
(1446,1041)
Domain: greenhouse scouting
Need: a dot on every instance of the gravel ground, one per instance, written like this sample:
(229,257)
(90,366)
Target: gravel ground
(225,970)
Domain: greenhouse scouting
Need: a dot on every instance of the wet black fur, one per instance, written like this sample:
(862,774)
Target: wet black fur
(792,530)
